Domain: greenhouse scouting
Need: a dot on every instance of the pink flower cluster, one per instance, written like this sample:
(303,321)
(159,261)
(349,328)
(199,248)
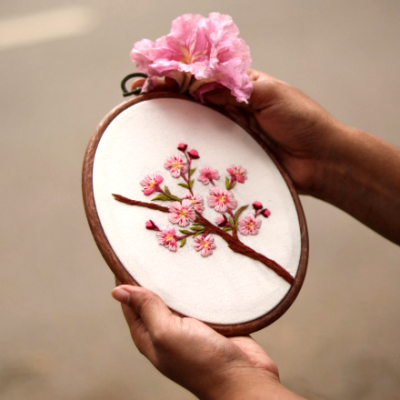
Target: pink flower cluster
(151,183)
(207,175)
(221,200)
(187,209)
(176,165)
(201,54)
(249,225)
(181,213)
(237,173)
(205,244)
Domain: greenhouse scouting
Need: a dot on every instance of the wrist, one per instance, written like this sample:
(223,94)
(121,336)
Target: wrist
(249,384)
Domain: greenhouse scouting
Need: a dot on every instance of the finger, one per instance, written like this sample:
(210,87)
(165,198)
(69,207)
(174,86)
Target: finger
(137,83)
(162,85)
(148,306)
(220,98)
(136,326)
(266,90)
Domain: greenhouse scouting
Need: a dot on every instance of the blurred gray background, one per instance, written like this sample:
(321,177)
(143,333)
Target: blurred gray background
(62,336)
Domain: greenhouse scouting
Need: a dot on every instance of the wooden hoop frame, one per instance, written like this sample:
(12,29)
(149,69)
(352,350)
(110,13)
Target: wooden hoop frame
(115,264)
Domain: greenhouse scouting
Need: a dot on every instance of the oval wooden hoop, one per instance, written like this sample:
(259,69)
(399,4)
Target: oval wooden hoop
(115,264)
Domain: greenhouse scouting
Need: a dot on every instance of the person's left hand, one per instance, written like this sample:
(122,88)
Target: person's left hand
(192,354)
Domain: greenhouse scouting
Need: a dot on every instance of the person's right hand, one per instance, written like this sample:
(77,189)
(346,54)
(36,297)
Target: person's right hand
(299,131)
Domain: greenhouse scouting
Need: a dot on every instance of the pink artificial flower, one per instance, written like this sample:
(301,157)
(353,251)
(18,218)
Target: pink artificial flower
(257,205)
(207,174)
(193,154)
(205,244)
(238,173)
(177,165)
(167,238)
(181,214)
(266,213)
(197,201)
(221,199)
(221,220)
(249,225)
(207,49)
(151,183)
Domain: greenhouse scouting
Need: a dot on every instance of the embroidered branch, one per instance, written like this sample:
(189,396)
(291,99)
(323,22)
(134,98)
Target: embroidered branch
(186,211)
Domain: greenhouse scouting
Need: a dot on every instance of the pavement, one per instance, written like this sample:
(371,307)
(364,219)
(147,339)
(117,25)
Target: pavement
(62,336)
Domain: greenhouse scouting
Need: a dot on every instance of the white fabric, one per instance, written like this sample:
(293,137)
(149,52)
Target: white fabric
(225,287)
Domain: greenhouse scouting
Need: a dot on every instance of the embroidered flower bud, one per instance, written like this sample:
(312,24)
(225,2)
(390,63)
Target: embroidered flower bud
(266,213)
(257,205)
(182,146)
(221,220)
(194,155)
(151,225)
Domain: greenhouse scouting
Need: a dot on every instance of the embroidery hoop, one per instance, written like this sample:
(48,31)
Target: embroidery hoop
(121,272)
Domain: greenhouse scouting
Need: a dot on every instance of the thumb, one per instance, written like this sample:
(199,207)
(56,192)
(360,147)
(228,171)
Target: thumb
(147,305)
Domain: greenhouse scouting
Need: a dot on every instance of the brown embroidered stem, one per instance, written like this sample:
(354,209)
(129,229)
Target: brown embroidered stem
(234,230)
(152,206)
(234,243)
(189,161)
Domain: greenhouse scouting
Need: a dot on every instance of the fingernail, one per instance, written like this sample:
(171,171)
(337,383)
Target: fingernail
(121,295)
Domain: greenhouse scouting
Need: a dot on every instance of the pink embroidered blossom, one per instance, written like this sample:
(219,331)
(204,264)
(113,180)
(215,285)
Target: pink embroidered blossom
(266,213)
(205,244)
(207,49)
(221,220)
(197,201)
(238,173)
(221,199)
(182,146)
(166,237)
(151,183)
(177,165)
(193,154)
(257,205)
(151,225)
(249,225)
(207,174)
(181,214)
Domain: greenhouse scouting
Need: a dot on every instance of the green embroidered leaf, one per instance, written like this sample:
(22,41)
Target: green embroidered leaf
(227,182)
(183,185)
(161,197)
(233,185)
(197,223)
(230,220)
(166,190)
(197,228)
(198,233)
(183,242)
(175,198)
(191,182)
(227,228)
(192,171)
(184,231)
(238,212)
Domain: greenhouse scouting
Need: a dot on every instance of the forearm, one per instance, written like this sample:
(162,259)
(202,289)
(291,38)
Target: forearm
(361,176)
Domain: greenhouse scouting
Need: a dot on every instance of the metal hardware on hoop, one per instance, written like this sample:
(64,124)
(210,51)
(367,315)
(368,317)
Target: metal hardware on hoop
(138,90)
